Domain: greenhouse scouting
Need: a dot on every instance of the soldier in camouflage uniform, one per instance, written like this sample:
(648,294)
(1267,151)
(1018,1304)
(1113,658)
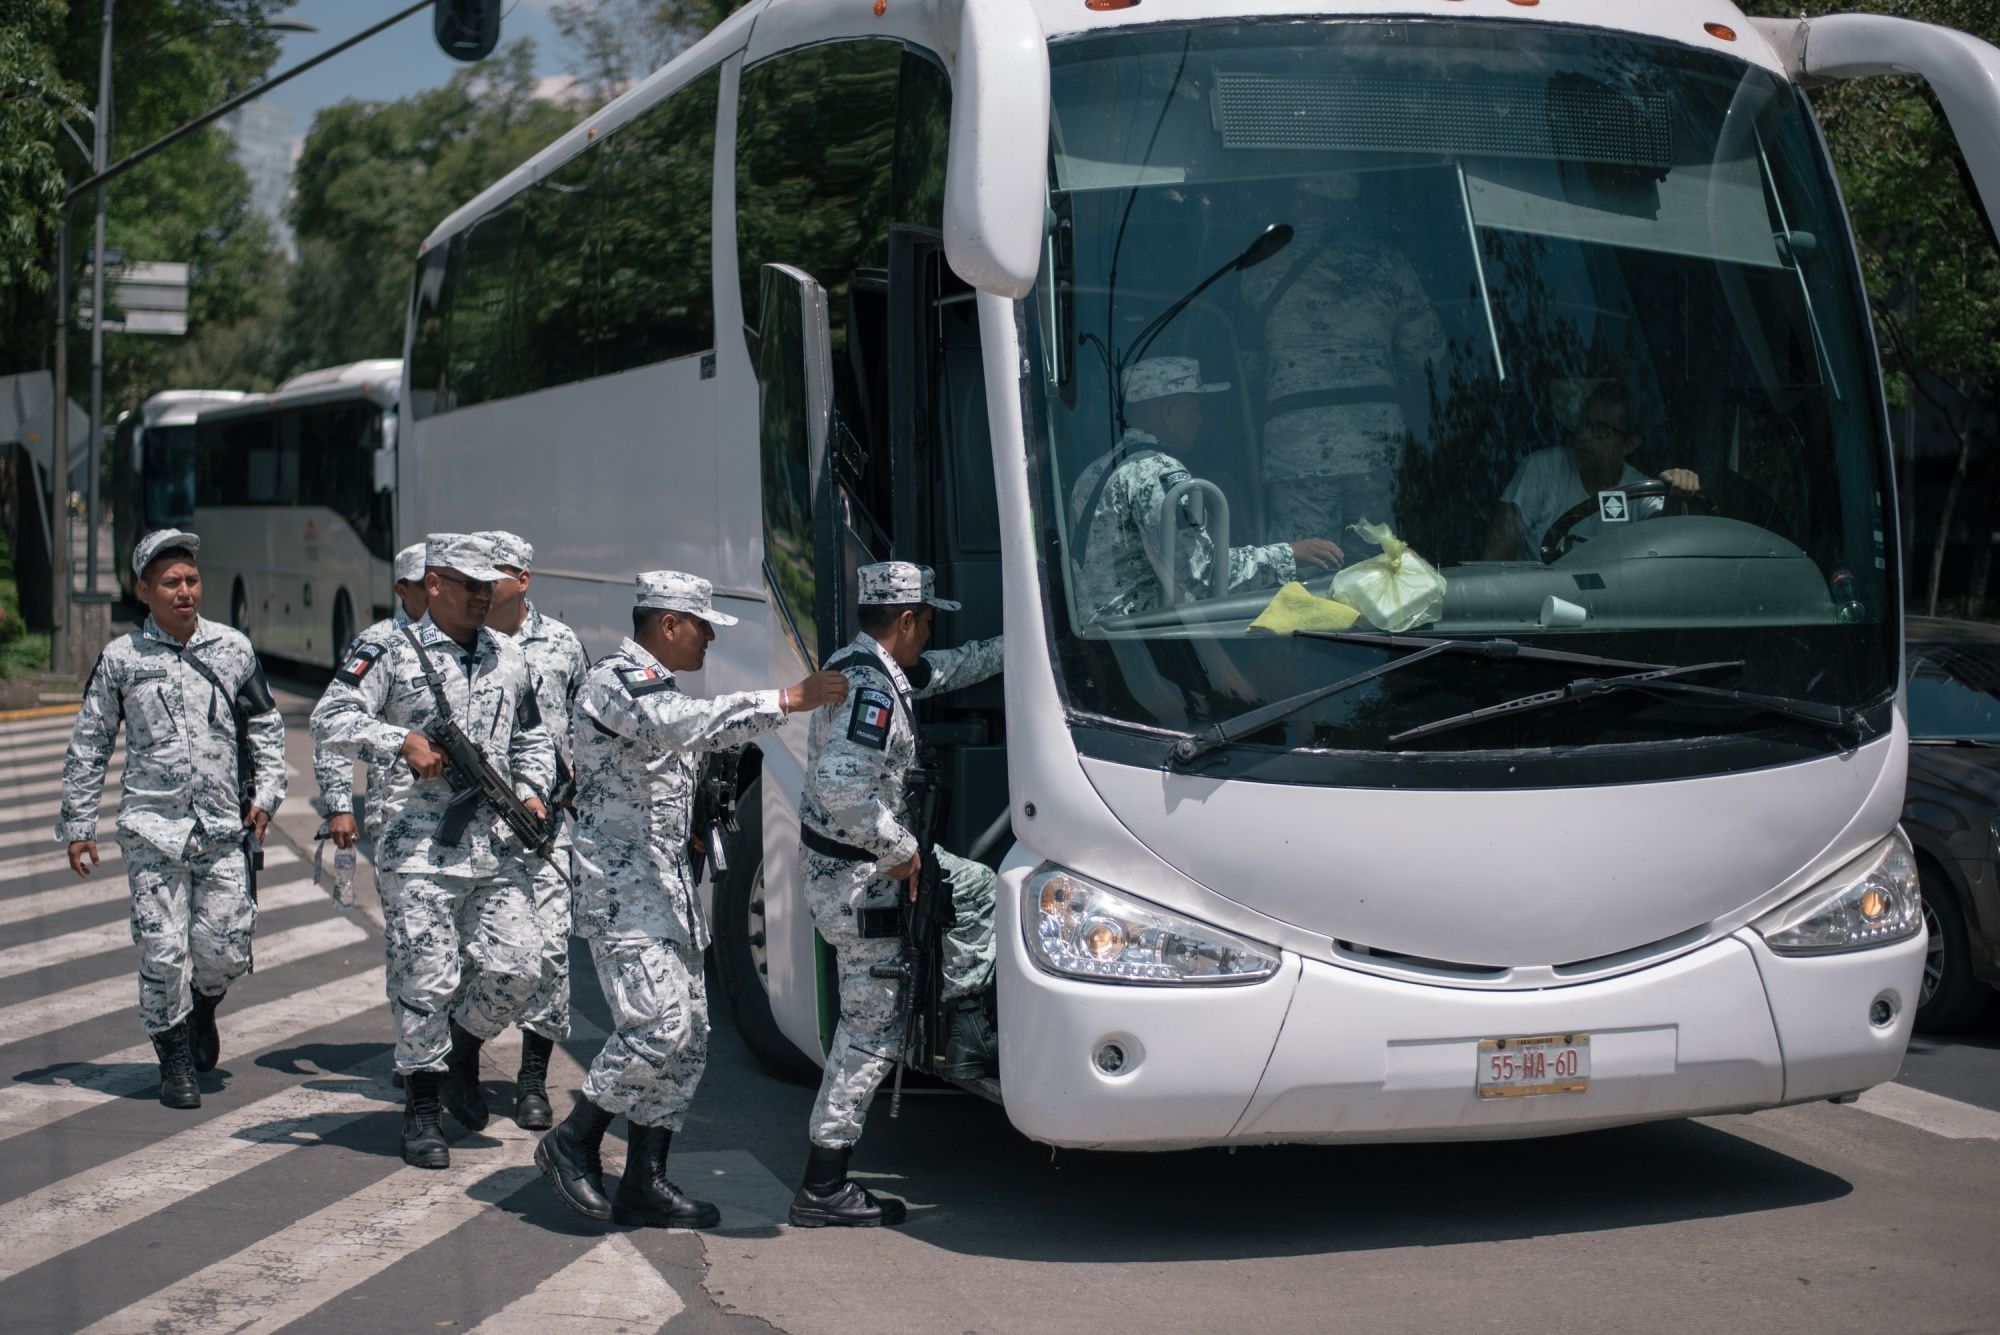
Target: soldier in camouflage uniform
(556,657)
(335,773)
(1348,336)
(176,684)
(473,898)
(858,846)
(1119,501)
(638,740)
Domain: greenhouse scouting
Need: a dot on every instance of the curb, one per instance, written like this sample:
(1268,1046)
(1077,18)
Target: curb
(38,711)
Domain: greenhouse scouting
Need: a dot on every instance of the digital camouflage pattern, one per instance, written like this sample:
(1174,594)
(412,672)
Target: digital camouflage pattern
(1346,315)
(650,1065)
(180,755)
(469,950)
(380,695)
(859,755)
(1124,556)
(332,771)
(192,920)
(898,584)
(638,740)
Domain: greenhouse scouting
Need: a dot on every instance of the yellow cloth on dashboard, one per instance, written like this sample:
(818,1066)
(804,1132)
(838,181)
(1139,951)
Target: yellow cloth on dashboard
(1293,609)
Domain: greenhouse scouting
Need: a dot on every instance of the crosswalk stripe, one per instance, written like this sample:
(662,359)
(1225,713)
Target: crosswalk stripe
(37,730)
(103,888)
(57,859)
(99,1201)
(1931,1112)
(32,955)
(302,1267)
(107,996)
(16,756)
(44,789)
(134,1070)
(47,809)
(612,1289)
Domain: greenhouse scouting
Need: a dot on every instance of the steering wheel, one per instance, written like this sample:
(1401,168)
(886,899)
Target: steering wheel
(1558,534)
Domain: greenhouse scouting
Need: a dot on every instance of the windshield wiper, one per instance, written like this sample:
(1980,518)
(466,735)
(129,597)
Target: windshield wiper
(1199,744)
(1836,717)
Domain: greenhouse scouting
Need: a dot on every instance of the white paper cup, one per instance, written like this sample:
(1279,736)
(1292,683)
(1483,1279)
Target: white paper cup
(1557,612)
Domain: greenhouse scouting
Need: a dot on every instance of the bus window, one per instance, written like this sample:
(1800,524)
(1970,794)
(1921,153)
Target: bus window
(481,363)
(429,321)
(657,230)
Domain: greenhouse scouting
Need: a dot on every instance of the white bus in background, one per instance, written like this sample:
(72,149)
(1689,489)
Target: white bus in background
(837,285)
(152,469)
(295,506)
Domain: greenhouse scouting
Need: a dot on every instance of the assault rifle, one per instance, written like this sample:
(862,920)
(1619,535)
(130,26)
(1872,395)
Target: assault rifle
(925,920)
(248,701)
(475,783)
(715,797)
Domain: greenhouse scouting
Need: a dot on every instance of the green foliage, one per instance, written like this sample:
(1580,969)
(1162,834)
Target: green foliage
(34,97)
(619,42)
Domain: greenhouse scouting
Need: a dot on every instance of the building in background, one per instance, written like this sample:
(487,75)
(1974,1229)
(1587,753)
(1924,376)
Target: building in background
(263,134)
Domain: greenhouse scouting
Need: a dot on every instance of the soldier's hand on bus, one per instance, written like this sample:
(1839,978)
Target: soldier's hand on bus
(78,851)
(257,821)
(821,688)
(343,829)
(425,760)
(1319,553)
(907,871)
(536,807)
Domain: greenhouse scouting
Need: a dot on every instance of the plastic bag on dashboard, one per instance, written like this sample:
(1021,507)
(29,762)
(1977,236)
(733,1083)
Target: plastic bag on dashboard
(1395,591)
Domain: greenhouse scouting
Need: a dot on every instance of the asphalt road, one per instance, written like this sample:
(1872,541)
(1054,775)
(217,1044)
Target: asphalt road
(281,1203)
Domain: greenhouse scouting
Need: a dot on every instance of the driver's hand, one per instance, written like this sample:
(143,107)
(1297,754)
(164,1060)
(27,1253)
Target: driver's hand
(1319,553)
(1684,481)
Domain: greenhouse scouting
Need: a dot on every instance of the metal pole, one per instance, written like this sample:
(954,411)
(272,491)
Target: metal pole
(98,162)
(59,466)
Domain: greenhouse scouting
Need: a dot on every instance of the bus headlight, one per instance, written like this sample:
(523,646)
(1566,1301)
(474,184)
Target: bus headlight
(1872,901)
(1085,930)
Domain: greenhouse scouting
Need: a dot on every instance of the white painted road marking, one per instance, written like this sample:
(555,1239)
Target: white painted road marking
(33,955)
(610,1290)
(1931,1112)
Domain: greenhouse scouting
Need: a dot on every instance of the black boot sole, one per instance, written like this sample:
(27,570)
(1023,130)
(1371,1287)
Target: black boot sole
(545,1161)
(533,1113)
(639,1217)
(182,1101)
(808,1218)
(436,1157)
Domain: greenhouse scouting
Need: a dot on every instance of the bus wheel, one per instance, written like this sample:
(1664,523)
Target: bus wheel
(343,627)
(739,946)
(239,608)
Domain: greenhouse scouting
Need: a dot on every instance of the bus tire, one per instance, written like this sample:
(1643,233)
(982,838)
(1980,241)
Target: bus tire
(343,628)
(1951,998)
(739,927)
(239,608)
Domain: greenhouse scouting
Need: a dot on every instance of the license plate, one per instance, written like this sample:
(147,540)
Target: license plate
(1515,1068)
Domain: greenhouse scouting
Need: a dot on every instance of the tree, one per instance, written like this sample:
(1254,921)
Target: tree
(619,42)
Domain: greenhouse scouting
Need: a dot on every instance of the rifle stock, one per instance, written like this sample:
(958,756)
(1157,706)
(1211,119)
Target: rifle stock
(924,921)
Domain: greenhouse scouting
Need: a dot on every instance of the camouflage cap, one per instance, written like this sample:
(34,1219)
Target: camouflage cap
(159,541)
(895,583)
(1157,377)
(410,564)
(509,549)
(676,591)
(467,553)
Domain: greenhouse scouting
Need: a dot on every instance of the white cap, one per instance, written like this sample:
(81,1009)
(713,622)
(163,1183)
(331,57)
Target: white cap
(467,553)
(898,583)
(1157,377)
(677,591)
(410,564)
(159,541)
(509,549)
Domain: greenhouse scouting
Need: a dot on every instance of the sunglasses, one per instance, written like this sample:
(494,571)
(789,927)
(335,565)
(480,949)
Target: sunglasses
(469,585)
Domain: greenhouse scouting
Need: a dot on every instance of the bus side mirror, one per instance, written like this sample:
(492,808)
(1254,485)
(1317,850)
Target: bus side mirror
(996,172)
(1963,71)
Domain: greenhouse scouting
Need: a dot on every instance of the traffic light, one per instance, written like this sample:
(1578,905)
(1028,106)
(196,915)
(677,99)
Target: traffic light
(467,29)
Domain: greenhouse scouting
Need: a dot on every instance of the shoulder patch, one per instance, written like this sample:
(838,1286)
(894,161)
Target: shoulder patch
(359,663)
(869,723)
(640,681)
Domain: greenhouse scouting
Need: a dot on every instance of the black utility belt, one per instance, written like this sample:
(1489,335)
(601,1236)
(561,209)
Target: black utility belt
(832,848)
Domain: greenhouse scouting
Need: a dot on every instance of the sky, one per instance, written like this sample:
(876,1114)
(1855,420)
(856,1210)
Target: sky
(393,63)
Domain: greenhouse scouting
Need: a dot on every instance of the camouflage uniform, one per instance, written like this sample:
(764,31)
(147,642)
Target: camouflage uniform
(180,824)
(556,657)
(1346,321)
(638,745)
(858,755)
(1123,561)
(477,895)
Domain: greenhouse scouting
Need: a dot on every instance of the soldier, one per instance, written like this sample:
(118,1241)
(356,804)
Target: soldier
(179,683)
(555,655)
(855,825)
(472,896)
(637,741)
(1118,502)
(1348,332)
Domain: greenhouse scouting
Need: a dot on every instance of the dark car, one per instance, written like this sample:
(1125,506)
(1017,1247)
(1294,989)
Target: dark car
(1951,811)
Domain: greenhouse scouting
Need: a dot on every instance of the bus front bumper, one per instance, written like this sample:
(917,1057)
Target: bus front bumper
(1323,1054)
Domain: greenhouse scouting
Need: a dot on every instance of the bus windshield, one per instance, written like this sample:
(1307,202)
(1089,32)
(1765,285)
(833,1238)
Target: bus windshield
(1573,314)
(167,474)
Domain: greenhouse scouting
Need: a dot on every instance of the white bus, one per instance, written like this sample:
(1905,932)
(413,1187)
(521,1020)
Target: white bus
(294,505)
(844,282)
(152,468)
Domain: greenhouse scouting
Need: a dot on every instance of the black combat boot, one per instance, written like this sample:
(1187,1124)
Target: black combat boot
(206,1041)
(177,1085)
(423,1135)
(828,1198)
(969,1043)
(531,1086)
(463,1098)
(569,1158)
(644,1194)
